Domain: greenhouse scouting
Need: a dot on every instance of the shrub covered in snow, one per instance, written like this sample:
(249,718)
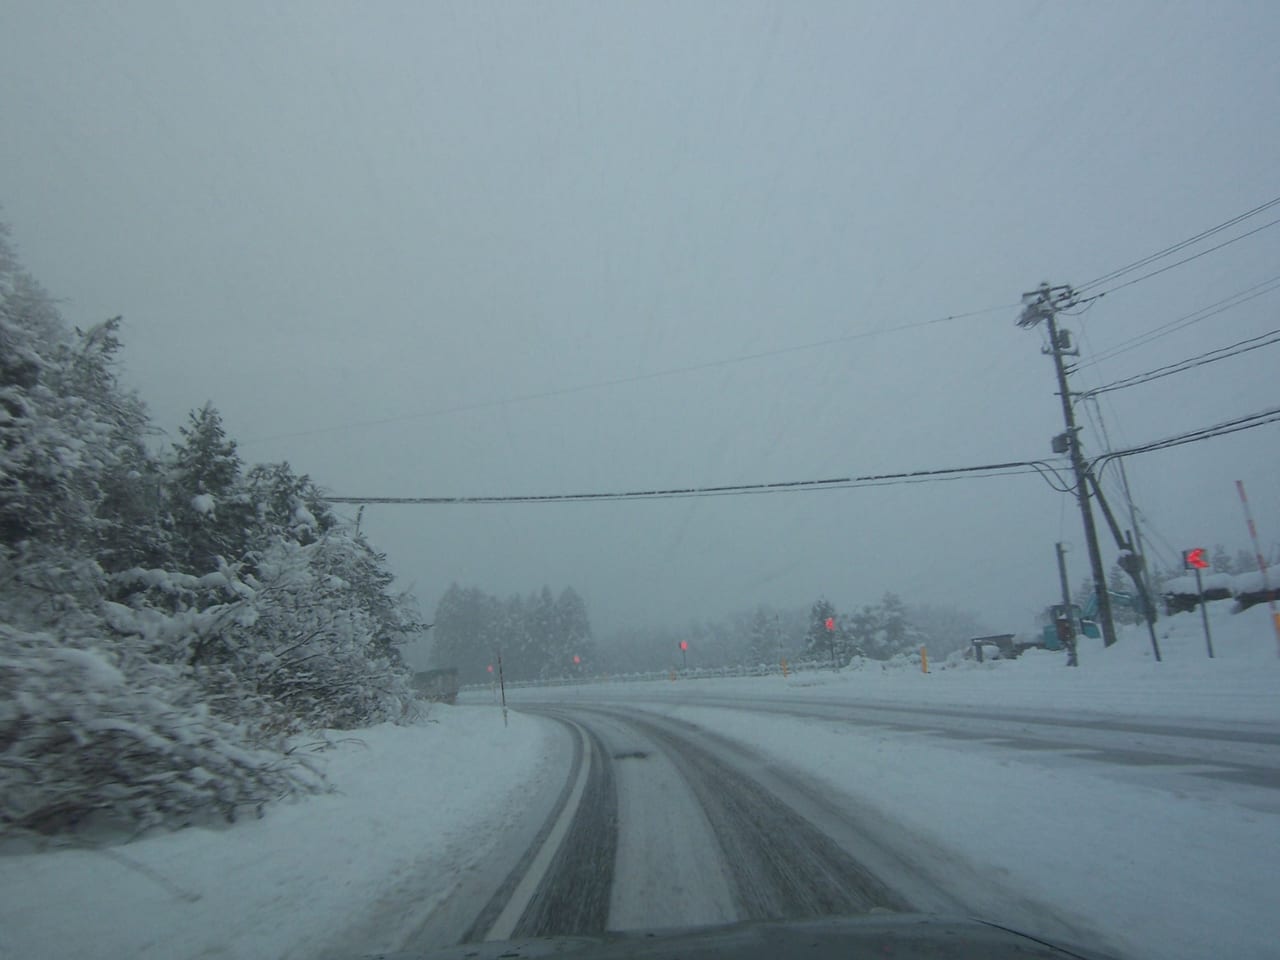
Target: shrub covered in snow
(291,646)
(164,620)
(90,735)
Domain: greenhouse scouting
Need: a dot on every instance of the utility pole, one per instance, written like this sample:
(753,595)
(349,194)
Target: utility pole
(1043,304)
(1069,640)
(1130,562)
(1137,569)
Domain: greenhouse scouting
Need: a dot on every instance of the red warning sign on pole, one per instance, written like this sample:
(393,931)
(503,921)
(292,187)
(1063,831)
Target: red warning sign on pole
(1193,559)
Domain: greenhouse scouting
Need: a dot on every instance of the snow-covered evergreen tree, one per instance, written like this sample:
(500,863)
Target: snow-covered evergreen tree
(537,635)
(1221,560)
(208,506)
(764,637)
(862,629)
(573,628)
(820,639)
(946,629)
(162,624)
(542,654)
(459,634)
(1246,561)
(284,505)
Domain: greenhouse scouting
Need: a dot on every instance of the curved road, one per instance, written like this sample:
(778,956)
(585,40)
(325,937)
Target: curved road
(668,832)
(661,824)
(645,820)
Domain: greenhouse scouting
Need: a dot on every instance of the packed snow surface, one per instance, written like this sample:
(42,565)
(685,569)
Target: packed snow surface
(1158,860)
(421,802)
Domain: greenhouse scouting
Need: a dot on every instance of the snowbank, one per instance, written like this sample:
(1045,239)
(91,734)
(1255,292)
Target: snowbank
(1240,685)
(427,800)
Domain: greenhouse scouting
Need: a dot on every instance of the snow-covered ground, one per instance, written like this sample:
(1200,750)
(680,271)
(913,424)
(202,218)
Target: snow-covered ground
(1150,871)
(1115,849)
(1240,685)
(1144,856)
(420,803)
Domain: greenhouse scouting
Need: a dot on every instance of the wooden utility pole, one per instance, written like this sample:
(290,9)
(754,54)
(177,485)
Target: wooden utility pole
(1043,304)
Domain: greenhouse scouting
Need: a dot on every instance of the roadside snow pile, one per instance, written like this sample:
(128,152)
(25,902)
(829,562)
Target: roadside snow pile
(415,803)
(1248,589)
(1241,682)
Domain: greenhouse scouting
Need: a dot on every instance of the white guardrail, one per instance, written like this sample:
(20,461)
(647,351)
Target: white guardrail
(675,673)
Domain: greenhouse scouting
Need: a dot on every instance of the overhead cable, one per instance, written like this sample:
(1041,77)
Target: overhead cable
(1181,245)
(1178,263)
(982,471)
(1182,366)
(1240,297)
(1222,429)
(737,489)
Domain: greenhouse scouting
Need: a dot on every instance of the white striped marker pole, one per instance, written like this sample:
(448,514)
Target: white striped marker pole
(1262,562)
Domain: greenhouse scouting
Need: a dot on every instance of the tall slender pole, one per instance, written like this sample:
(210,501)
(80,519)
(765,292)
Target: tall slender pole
(1139,574)
(502,685)
(1262,561)
(1073,660)
(1082,488)
(1204,613)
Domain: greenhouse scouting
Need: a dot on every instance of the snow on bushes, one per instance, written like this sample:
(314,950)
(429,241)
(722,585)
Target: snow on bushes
(164,619)
(88,736)
(291,645)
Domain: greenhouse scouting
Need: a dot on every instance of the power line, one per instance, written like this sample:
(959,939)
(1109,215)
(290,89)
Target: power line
(1178,263)
(981,471)
(1239,298)
(1181,245)
(1171,553)
(1011,468)
(1222,429)
(635,378)
(1182,366)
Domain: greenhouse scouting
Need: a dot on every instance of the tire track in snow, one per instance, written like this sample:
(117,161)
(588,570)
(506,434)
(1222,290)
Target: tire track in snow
(574,896)
(782,867)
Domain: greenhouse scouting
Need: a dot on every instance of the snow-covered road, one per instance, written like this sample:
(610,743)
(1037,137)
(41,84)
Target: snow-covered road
(679,825)
(1120,833)
(1128,806)
(1193,759)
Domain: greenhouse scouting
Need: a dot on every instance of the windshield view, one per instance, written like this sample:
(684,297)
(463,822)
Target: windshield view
(717,479)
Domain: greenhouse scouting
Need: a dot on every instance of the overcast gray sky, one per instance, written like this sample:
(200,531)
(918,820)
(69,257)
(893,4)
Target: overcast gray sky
(335,221)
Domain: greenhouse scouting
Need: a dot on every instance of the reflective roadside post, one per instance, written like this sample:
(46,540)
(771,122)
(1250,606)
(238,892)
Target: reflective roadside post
(502,685)
(1194,560)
